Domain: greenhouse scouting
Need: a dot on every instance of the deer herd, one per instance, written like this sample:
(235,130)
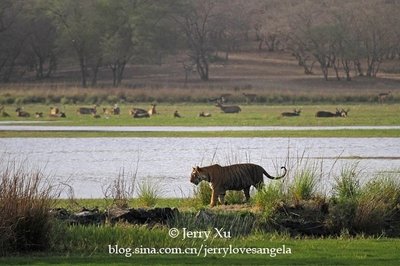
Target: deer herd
(220,102)
(55,112)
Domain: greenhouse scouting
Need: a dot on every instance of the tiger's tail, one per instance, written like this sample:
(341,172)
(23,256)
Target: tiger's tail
(277,177)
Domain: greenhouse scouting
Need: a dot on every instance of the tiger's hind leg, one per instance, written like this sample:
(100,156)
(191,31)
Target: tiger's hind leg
(247,194)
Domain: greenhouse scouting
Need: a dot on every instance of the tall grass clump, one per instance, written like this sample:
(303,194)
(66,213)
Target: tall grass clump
(304,185)
(202,193)
(234,197)
(347,185)
(148,193)
(377,204)
(121,190)
(344,202)
(26,198)
(268,197)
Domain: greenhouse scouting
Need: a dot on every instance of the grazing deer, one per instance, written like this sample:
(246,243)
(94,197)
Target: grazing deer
(176,114)
(290,114)
(250,97)
(229,109)
(202,114)
(21,113)
(152,111)
(86,110)
(383,95)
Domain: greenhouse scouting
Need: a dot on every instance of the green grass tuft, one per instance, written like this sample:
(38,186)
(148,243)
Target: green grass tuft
(148,193)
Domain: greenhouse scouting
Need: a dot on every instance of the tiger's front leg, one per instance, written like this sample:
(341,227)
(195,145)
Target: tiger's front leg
(214,197)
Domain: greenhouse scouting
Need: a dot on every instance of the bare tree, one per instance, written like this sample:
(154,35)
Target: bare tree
(195,20)
(41,44)
(13,35)
(79,29)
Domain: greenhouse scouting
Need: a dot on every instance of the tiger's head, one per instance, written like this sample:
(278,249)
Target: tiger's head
(198,175)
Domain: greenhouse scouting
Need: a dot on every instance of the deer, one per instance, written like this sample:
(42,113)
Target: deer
(138,113)
(176,114)
(86,110)
(152,110)
(21,113)
(54,111)
(290,114)
(60,114)
(383,95)
(338,113)
(344,113)
(38,114)
(228,109)
(202,114)
(112,111)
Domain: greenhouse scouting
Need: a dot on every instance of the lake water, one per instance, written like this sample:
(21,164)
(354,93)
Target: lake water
(89,165)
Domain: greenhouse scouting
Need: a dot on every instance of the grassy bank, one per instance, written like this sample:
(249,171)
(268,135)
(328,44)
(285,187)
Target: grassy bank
(251,115)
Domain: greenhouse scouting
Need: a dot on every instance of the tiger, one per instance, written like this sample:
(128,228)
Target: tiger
(232,177)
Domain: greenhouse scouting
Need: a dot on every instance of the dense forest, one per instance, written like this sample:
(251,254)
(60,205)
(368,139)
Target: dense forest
(346,38)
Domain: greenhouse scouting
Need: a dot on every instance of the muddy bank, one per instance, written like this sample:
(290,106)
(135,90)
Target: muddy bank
(305,218)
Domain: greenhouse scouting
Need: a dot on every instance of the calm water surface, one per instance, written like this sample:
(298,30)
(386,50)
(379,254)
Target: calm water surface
(89,165)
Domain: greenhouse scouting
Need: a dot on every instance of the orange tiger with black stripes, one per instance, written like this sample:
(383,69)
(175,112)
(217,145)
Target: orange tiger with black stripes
(232,177)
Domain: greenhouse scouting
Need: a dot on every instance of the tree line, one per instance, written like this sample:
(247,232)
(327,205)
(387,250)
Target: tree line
(350,38)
